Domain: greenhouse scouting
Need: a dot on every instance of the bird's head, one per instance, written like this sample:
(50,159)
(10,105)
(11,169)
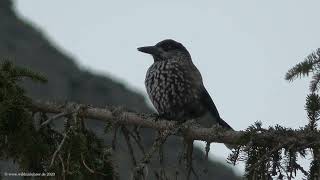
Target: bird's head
(166,50)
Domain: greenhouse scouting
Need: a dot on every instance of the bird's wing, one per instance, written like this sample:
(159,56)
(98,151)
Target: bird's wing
(207,102)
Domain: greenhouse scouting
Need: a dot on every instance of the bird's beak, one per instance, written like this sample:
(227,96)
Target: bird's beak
(153,50)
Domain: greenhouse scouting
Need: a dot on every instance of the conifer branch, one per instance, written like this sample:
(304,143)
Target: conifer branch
(310,64)
(314,83)
(281,136)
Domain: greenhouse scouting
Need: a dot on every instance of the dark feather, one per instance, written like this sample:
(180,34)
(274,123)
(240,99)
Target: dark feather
(207,102)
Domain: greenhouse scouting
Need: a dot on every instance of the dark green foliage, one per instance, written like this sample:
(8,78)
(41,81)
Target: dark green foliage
(314,169)
(13,73)
(82,155)
(310,64)
(19,140)
(85,154)
(314,83)
(313,109)
(267,158)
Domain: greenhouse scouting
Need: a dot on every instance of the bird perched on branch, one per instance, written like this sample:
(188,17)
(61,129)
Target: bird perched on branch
(175,87)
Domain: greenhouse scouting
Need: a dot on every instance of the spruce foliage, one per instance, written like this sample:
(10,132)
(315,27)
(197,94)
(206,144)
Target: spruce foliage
(75,153)
(268,160)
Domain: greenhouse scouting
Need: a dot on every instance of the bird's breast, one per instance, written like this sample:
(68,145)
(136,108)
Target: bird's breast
(170,89)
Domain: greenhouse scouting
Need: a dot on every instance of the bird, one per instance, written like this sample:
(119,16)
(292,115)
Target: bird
(175,86)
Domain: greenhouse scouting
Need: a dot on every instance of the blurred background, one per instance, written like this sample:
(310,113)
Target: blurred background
(242,48)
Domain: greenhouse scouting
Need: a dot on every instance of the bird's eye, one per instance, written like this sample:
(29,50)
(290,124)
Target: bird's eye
(168,48)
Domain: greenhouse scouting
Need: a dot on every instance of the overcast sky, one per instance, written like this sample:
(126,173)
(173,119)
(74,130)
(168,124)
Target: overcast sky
(242,48)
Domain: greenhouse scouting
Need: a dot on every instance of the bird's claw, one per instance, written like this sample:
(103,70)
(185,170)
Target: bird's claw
(156,117)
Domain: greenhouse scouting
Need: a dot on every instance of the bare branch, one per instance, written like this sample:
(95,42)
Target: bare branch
(58,149)
(86,166)
(138,171)
(63,167)
(207,150)
(114,139)
(137,139)
(215,134)
(125,132)
(53,118)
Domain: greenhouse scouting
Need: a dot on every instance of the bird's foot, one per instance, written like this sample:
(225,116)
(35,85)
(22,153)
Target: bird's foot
(156,117)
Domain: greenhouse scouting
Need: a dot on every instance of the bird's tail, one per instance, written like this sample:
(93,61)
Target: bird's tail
(224,124)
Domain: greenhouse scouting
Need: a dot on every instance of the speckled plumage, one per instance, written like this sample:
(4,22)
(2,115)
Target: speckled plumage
(172,90)
(175,86)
